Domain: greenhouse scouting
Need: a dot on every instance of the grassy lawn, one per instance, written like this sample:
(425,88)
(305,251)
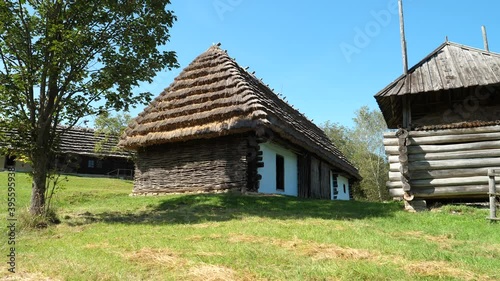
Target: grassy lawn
(105,234)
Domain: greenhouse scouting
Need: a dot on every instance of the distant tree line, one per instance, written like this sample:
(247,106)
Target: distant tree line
(363,146)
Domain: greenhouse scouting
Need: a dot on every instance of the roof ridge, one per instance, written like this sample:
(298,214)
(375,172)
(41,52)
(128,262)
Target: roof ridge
(432,54)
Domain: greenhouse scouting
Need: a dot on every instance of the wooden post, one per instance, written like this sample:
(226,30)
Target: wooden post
(485,39)
(493,194)
(403,37)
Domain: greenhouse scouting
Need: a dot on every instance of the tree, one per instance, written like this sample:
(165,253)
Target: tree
(369,136)
(59,58)
(363,146)
(110,127)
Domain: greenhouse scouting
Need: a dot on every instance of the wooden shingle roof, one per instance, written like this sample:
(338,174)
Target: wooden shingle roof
(451,66)
(80,141)
(213,96)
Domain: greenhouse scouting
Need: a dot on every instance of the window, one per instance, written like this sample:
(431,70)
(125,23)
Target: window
(91,163)
(98,164)
(10,161)
(335,186)
(280,172)
(344,189)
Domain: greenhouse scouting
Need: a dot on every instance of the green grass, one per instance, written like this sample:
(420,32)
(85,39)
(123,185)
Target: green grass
(106,234)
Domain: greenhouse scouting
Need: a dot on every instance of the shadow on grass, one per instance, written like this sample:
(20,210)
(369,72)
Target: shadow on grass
(196,208)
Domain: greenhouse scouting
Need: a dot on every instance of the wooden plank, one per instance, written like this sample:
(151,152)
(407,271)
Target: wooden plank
(447,173)
(325,181)
(415,81)
(435,73)
(494,172)
(475,191)
(465,72)
(315,178)
(426,78)
(477,180)
(463,131)
(451,139)
(451,77)
(478,67)
(452,147)
(454,164)
(492,189)
(304,176)
(415,184)
(493,64)
(452,155)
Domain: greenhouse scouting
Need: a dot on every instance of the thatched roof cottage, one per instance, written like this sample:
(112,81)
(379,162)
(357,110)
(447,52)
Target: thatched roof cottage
(448,110)
(219,127)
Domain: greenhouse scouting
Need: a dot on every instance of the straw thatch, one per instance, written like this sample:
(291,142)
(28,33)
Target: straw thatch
(214,97)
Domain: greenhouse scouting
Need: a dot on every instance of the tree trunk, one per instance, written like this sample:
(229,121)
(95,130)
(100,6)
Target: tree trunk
(40,158)
(40,170)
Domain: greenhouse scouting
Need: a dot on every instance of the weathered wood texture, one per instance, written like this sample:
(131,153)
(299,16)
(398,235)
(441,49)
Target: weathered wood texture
(494,176)
(254,160)
(313,177)
(198,165)
(325,189)
(304,176)
(451,74)
(445,163)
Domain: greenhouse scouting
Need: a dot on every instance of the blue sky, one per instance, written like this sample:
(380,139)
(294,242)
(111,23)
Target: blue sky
(328,58)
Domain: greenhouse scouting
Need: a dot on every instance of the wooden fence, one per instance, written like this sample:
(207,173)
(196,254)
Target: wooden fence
(492,174)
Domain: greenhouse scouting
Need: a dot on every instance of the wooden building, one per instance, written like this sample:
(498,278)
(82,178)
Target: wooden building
(447,110)
(218,127)
(77,155)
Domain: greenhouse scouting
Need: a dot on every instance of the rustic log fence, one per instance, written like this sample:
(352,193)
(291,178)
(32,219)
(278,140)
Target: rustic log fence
(492,173)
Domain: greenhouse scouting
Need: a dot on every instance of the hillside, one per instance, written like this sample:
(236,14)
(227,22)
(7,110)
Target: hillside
(105,234)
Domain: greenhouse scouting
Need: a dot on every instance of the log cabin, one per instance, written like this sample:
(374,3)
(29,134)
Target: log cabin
(446,118)
(77,154)
(218,127)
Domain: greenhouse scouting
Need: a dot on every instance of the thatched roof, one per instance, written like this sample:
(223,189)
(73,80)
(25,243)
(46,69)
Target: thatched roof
(450,67)
(80,141)
(213,96)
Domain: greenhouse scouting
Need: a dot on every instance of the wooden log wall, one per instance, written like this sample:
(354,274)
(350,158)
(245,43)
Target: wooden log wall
(198,165)
(254,160)
(447,164)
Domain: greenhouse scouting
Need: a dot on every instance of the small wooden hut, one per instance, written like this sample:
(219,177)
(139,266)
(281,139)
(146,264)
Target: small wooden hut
(218,127)
(447,110)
